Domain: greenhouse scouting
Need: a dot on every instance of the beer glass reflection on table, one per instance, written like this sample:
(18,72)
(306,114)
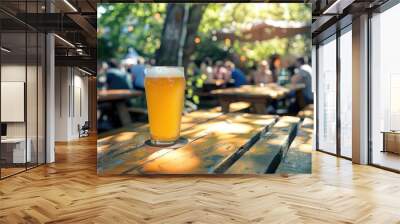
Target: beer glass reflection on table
(165,90)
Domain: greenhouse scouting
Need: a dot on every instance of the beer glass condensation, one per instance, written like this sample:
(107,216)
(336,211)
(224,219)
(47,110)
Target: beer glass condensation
(165,89)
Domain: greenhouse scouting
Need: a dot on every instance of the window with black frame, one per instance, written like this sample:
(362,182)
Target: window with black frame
(327,95)
(334,93)
(22,89)
(346,95)
(15,149)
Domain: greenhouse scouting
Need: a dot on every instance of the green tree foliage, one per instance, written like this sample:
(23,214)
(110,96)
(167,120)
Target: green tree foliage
(129,25)
(238,17)
(140,25)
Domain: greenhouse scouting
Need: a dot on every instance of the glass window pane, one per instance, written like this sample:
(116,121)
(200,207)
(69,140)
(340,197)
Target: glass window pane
(22,88)
(14,153)
(41,98)
(32,97)
(327,96)
(13,85)
(346,94)
(385,84)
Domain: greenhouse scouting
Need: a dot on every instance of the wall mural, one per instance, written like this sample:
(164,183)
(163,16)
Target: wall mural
(204,88)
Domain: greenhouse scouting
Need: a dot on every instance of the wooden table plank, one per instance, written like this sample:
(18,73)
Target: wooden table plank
(234,107)
(224,138)
(272,90)
(128,140)
(258,96)
(116,94)
(298,157)
(188,121)
(210,143)
(111,133)
(262,154)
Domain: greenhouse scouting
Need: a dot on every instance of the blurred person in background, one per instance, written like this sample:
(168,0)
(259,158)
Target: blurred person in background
(292,70)
(138,73)
(116,78)
(252,73)
(207,69)
(221,75)
(216,66)
(236,74)
(303,76)
(102,76)
(276,66)
(284,75)
(281,77)
(263,74)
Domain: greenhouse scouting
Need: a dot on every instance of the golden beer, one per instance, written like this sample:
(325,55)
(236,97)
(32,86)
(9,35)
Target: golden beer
(165,89)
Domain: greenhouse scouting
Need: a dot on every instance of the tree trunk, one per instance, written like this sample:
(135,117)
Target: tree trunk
(167,54)
(175,32)
(195,15)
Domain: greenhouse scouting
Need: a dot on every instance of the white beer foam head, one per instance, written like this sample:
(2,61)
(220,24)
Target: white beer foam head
(164,71)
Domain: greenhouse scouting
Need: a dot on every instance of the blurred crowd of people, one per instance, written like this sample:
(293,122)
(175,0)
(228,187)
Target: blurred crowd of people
(281,72)
(221,74)
(115,75)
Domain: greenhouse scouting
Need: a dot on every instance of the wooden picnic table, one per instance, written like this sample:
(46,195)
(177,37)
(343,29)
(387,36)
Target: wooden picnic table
(258,96)
(118,99)
(216,142)
(116,94)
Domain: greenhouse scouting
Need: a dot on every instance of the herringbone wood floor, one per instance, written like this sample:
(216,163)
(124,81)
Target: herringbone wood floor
(69,191)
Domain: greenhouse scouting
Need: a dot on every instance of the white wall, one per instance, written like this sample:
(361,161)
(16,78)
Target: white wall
(80,109)
(71,102)
(61,103)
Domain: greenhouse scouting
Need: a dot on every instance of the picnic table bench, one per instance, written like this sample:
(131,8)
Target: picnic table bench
(301,147)
(118,98)
(268,150)
(217,142)
(300,150)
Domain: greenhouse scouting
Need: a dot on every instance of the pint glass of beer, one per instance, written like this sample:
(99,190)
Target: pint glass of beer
(165,90)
